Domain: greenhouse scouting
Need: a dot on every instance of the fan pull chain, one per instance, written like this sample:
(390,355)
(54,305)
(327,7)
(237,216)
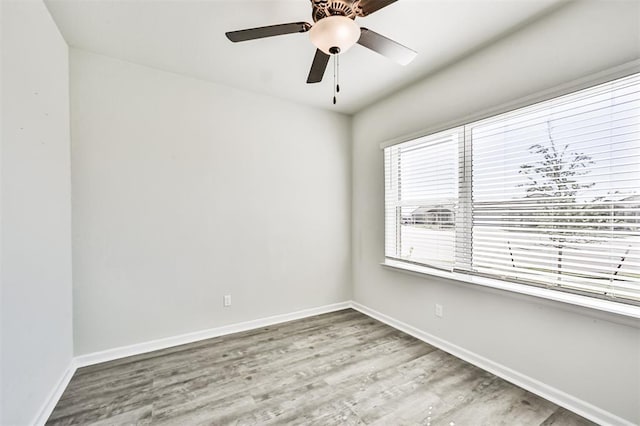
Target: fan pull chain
(338,73)
(336,76)
(335,71)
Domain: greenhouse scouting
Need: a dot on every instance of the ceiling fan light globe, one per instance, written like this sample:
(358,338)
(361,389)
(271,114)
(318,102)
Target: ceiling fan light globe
(334,31)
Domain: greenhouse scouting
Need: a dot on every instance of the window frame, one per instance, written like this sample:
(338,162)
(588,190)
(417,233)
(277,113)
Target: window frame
(459,131)
(579,299)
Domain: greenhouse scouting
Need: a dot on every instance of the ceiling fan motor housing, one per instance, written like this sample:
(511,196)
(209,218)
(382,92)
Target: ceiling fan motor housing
(324,8)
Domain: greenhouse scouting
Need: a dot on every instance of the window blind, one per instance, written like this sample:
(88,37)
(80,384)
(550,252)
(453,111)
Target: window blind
(556,192)
(421,190)
(547,195)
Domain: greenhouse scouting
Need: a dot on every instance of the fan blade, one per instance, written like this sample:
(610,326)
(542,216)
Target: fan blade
(367,7)
(386,47)
(269,31)
(318,67)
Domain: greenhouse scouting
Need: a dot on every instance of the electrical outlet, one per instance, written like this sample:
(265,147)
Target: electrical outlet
(439,310)
(227,300)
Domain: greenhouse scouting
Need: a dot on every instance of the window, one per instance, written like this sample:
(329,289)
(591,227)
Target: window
(421,193)
(546,195)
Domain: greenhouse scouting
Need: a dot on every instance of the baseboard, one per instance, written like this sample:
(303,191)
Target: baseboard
(554,395)
(154,345)
(550,393)
(54,395)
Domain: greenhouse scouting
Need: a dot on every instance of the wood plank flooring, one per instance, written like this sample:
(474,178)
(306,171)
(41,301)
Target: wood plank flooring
(342,368)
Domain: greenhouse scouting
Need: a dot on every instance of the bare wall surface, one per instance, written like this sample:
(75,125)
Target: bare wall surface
(185,191)
(36,307)
(593,358)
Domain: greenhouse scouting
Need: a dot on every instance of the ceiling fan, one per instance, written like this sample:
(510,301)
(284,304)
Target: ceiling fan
(334,31)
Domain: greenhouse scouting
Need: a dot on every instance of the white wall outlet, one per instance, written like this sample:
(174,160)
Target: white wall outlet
(227,300)
(439,310)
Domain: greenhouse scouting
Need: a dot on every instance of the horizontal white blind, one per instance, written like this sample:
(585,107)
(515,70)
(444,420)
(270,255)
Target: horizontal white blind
(547,195)
(421,193)
(556,192)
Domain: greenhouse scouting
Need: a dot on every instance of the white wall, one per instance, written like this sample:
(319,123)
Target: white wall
(36,307)
(595,358)
(184,191)
(1,215)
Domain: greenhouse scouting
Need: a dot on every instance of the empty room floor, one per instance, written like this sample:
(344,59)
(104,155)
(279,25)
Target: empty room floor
(338,368)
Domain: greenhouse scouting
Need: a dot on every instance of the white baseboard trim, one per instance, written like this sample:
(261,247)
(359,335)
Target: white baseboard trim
(154,345)
(554,395)
(550,393)
(54,395)
(140,348)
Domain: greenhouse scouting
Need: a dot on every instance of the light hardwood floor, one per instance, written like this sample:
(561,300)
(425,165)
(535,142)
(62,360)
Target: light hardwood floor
(339,368)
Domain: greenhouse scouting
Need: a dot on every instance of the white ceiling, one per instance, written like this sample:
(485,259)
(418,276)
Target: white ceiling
(187,37)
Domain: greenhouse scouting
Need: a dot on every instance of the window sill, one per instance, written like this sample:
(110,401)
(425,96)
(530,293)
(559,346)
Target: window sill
(629,311)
